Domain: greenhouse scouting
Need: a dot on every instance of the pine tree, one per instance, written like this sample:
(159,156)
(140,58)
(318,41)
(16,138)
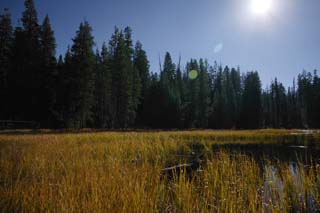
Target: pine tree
(227,99)
(192,111)
(48,72)
(58,108)
(278,105)
(141,64)
(134,78)
(316,103)
(103,89)
(82,74)
(217,113)
(305,97)
(172,101)
(154,112)
(25,79)
(294,119)
(266,108)
(121,79)
(235,93)
(204,94)
(251,102)
(6,42)
(65,91)
(181,93)
(167,75)
(32,48)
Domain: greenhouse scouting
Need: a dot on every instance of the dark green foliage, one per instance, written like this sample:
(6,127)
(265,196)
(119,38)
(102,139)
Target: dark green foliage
(103,90)
(275,106)
(294,114)
(226,97)
(155,102)
(6,42)
(141,64)
(113,87)
(171,102)
(204,95)
(48,73)
(126,83)
(251,107)
(81,82)
(309,100)
(191,106)
(26,77)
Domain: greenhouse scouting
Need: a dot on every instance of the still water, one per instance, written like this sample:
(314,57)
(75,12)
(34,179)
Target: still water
(271,158)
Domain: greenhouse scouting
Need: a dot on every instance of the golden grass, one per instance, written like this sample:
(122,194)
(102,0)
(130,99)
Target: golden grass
(120,171)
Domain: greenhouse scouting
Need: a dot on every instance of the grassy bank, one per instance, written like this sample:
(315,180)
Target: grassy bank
(120,171)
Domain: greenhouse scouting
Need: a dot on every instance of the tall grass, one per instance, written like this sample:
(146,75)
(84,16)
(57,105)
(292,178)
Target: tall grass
(114,172)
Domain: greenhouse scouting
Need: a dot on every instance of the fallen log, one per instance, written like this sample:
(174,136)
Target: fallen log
(177,170)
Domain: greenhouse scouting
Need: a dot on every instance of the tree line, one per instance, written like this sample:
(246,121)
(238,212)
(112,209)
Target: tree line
(112,87)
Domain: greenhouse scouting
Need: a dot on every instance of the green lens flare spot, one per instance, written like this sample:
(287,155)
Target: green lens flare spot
(193,74)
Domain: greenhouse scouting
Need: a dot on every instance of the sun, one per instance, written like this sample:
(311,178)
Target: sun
(261,7)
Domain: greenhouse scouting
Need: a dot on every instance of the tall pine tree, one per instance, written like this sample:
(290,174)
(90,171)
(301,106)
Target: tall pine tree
(141,65)
(82,78)
(251,102)
(48,72)
(6,42)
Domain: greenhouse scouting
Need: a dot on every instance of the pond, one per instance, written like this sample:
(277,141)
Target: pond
(285,170)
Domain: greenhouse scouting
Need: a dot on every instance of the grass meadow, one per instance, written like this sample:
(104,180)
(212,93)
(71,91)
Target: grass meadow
(121,172)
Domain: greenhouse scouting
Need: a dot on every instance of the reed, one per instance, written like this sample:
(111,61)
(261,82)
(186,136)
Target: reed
(120,171)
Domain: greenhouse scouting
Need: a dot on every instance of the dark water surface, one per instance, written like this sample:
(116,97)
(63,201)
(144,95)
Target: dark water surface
(270,158)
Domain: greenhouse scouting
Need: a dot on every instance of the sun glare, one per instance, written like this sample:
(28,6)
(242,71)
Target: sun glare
(261,7)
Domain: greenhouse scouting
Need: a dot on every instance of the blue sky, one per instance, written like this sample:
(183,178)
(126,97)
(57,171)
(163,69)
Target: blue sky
(280,43)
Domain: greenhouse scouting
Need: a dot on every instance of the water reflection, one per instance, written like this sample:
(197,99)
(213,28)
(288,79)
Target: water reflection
(276,153)
(283,168)
(277,161)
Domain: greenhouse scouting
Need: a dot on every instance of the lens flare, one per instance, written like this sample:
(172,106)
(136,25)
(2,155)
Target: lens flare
(218,48)
(193,74)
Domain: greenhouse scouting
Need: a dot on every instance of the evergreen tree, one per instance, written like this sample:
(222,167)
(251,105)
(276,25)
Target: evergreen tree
(134,78)
(113,88)
(122,78)
(65,89)
(103,90)
(217,113)
(192,110)
(17,77)
(154,104)
(180,90)
(266,108)
(251,102)
(58,105)
(308,98)
(305,97)
(82,78)
(204,94)
(25,78)
(294,119)
(316,103)
(48,72)
(228,100)
(235,96)
(171,100)
(6,42)
(167,77)
(141,64)
(279,105)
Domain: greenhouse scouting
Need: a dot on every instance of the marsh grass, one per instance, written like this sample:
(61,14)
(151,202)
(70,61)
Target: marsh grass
(120,171)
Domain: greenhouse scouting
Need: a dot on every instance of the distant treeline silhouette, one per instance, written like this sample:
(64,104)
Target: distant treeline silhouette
(113,88)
